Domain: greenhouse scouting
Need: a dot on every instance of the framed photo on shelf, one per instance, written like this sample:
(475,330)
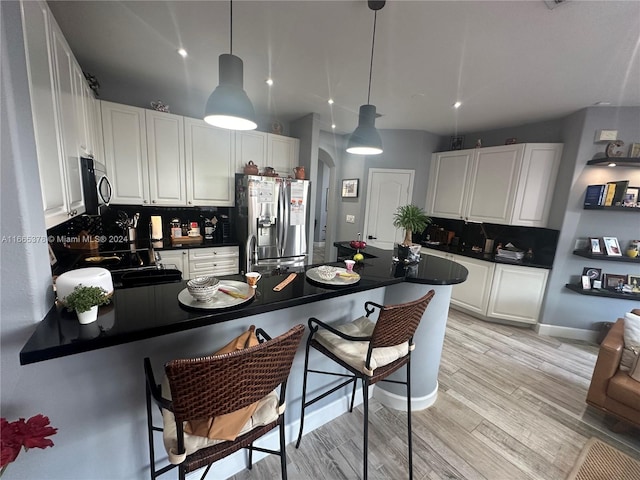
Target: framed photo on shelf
(634,281)
(630,197)
(612,246)
(613,281)
(592,273)
(457,142)
(634,150)
(596,248)
(586,283)
(350,188)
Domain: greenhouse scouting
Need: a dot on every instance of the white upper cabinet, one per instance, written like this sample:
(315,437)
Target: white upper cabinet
(56,103)
(125,152)
(165,151)
(282,153)
(251,146)
(448,183)
(209,165)
(267,150)
(511,184)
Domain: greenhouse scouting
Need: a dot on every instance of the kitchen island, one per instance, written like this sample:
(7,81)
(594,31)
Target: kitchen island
(98,367)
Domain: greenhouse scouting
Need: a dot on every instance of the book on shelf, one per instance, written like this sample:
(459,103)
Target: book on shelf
(621,189)
(594,194)
(608,196)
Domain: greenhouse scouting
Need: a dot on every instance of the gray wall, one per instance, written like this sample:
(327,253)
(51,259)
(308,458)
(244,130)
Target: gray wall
(403,149)
(563,307)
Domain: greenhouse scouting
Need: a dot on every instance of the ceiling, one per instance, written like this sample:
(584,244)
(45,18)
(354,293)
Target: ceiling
(508,62)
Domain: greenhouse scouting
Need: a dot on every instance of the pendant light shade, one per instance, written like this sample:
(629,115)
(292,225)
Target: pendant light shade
(365,139)
(229,106)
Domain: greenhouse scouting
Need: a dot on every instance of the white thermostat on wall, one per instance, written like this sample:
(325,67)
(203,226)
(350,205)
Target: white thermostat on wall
(606,135)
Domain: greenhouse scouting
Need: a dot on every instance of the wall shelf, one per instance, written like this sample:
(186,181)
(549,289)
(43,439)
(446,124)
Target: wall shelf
(619,161)
(617,209)
(606,258)
(602,293)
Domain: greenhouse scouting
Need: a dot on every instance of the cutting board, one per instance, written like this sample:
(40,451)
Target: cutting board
(186,240)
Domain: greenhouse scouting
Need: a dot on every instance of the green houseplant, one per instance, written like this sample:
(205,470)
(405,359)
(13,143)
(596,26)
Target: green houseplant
(85,301)
(412,219)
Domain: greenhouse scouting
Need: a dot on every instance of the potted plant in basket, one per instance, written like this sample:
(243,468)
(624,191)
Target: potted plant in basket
(85,301)
(412,219)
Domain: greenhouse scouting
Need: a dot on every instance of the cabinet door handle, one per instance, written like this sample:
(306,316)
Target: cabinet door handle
(371,237)
(189,202)
(145,201)
(153,201)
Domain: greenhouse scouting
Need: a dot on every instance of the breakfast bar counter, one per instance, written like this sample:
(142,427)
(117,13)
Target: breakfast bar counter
(150,311)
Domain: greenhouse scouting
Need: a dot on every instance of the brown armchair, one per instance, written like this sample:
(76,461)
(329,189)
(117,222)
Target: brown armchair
(612,390)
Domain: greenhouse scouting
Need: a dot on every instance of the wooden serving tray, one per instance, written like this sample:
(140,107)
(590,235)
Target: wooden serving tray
(185,240)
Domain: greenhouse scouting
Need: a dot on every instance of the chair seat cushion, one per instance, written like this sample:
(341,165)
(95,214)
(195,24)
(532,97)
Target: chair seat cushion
(266,412)
(355,353)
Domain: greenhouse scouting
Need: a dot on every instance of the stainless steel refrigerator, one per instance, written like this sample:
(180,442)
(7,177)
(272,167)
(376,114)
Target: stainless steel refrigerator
(271,221)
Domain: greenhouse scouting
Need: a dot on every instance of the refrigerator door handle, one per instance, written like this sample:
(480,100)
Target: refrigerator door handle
(286,194)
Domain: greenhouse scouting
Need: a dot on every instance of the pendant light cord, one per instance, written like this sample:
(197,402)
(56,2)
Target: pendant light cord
(373,42)
(231,27)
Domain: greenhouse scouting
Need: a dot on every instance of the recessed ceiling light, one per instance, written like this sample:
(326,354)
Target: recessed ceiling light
(457,104)
(333,125)
(331,101)
(269,81)
(182,52)
(612,164)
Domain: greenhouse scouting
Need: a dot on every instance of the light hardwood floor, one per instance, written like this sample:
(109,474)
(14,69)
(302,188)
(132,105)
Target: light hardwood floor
(511,405)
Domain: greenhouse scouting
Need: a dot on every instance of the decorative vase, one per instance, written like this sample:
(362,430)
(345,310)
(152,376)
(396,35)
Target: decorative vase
(89,316)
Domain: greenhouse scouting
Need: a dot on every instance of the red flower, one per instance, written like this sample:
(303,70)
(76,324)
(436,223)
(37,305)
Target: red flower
(30,434)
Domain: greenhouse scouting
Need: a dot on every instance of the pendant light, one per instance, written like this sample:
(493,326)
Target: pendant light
(365,139)
(229,106)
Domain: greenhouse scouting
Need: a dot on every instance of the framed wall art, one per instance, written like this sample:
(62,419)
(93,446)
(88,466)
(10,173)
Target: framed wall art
(612,246)
(457,142)
(350,188)
(613,281)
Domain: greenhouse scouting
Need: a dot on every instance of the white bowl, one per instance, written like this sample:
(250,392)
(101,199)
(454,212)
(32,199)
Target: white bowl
(326,272)
(203,288)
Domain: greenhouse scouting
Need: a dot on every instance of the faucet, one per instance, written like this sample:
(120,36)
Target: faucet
(155,257)
(250,253)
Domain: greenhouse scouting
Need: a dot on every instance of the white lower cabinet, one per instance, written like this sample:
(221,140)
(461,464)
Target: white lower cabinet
(497,291)
(473,295)
(196,262)
(517,293)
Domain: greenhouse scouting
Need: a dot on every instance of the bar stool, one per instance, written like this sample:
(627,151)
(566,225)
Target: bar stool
(208,387)
(370,351)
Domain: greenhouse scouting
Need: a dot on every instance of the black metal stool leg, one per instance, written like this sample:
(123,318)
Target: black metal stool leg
(283,451)
(353,394)
(152,459)
(365,447)
(250,461)
(304,391)
(409,419)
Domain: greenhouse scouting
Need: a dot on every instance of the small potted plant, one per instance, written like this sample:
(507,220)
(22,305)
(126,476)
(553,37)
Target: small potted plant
(412,219)
(85,301)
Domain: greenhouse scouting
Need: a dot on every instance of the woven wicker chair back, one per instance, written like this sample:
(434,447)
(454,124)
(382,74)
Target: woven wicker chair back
(396,324)
(218,384)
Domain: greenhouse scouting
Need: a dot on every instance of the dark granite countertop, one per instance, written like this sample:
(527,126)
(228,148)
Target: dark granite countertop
(489,257)
(145,312)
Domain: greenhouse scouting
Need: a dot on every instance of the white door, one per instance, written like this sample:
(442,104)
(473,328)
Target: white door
(387,190)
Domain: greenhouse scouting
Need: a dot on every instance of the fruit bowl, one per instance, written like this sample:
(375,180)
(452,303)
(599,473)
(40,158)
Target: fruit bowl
(357,244)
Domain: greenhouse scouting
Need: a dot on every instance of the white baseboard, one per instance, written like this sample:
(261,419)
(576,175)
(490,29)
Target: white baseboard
(567,332)
(399,402)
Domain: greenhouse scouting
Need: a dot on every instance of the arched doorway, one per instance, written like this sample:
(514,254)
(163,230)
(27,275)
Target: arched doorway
(325,204)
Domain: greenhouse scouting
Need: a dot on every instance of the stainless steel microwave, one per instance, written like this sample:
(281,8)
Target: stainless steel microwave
(96,187)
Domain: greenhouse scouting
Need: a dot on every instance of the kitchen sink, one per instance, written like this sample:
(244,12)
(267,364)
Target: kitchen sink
(144,276)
